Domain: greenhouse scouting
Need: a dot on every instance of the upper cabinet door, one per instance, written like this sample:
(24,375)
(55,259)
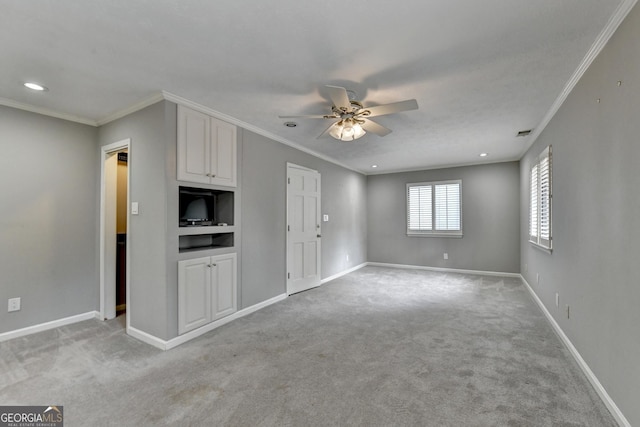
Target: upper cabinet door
(223,153)
(206,149)
(194,147)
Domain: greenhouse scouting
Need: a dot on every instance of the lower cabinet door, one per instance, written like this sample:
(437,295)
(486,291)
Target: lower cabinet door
(206,290)
(223,285)
(194,293)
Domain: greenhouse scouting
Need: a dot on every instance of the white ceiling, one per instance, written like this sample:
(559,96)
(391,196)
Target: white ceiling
(480,70)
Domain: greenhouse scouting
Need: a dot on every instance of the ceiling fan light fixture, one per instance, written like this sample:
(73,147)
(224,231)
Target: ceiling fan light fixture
(347,130)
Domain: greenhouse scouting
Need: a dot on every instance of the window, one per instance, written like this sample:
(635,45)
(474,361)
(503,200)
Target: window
(540,201)
(434,209)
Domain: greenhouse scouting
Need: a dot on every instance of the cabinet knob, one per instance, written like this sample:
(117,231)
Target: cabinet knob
(213,175)
(319,235)
(213,265)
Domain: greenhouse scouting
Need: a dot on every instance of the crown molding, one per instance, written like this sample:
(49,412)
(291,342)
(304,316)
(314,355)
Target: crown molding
(612,25)
(46,112)
(247,126)
(118,114)
(451,166)
(164,95)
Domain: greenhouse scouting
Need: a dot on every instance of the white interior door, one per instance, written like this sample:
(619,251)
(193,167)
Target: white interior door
(303,229)
(110,244)
(108,229)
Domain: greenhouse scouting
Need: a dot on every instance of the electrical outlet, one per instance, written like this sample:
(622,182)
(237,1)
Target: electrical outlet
(537,278)
(446,255)
(14,304)
(557,299)
(526,268)
(347,257)
(568,312)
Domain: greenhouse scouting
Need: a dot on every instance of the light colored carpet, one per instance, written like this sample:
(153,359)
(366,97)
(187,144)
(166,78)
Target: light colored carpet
(378,347)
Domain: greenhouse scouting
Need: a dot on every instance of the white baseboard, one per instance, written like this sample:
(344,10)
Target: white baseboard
(48,325)
(174,342)
(342,273)
(147,338)
(445,270)
(610,404)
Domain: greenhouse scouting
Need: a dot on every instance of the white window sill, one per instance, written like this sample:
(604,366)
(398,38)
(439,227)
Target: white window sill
(540,247)
(447,235)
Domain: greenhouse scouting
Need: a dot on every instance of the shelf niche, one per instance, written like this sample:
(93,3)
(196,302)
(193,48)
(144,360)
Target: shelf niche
(202,207)
(199,242)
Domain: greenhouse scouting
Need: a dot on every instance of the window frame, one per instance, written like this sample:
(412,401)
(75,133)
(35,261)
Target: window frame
(433,232)
(541,201)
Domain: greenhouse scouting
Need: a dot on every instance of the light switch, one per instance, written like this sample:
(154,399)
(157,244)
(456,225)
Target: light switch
(134,208)
(325,218)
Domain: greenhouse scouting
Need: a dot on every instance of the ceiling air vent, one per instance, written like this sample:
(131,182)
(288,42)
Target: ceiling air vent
(524,132)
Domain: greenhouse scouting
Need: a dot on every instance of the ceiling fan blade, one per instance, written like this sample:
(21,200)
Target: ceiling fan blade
(326,132)
(314,116)
(339,97)
(373,127)
(395,107)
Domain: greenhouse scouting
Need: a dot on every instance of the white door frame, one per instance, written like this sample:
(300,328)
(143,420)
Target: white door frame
(107,150)
(287,250)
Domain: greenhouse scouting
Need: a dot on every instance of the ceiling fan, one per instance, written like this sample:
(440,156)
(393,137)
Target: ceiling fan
(353,118)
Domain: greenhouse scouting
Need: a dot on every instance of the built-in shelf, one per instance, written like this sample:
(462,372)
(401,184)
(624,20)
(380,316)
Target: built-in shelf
(213,229)
(204,207)
(199,242)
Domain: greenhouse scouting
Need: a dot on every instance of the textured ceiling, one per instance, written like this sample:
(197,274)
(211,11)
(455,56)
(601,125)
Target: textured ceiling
(480,70)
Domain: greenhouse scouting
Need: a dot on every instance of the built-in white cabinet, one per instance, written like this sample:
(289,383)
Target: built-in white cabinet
(207,148)
(206,290)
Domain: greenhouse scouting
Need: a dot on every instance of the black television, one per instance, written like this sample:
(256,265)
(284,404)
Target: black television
(197,206)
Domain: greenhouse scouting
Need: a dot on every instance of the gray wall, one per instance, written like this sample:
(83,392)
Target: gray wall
(490,220)
(152,163)
(264,172)
(596,160)
(48,218)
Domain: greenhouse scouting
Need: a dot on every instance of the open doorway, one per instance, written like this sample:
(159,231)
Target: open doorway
(114,217)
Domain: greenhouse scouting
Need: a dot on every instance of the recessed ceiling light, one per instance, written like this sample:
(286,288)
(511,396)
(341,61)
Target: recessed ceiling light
(35,86)
(484,154)
(291,124)
(374,166)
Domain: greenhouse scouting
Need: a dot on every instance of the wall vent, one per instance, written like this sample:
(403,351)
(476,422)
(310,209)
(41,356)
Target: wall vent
(524,132)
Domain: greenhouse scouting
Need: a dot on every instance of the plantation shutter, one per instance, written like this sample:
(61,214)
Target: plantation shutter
(540,200)
(447,207)
(434,208)
(420,209)
(533,213)
(545,198)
